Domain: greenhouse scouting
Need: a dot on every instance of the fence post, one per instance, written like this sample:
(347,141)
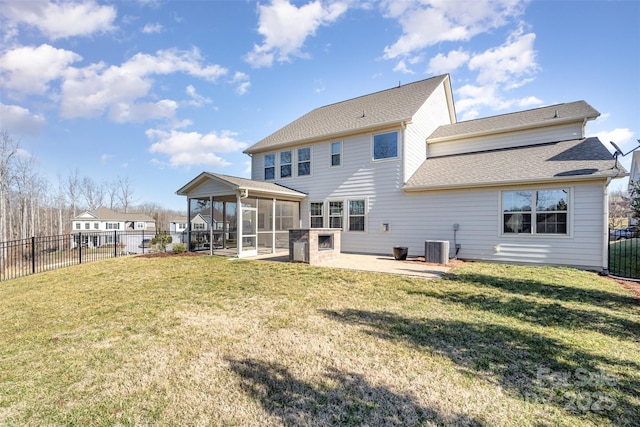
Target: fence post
(80,247)
(33,254)
(115,244)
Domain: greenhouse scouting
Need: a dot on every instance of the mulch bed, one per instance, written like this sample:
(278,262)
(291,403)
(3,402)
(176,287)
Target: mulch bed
(633,287)
(166,254)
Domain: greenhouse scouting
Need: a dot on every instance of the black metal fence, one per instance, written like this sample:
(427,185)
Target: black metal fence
(624,254)
(37,254)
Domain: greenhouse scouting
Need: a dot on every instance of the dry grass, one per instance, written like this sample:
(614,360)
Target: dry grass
(206,341)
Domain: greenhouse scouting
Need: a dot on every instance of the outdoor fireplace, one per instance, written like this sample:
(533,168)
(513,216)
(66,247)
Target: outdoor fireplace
(314,245)
(325,242)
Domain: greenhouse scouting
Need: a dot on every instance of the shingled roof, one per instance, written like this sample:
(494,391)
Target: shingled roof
(106,214)
(391,106)
(235,183)
(552,162)
(544,116)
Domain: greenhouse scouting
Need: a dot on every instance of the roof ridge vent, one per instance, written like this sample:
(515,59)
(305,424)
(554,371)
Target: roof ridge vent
(555,115)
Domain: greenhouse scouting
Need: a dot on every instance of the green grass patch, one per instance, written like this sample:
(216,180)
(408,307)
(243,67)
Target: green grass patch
(204,340)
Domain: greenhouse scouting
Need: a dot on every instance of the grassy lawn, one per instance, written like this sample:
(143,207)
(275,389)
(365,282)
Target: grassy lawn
(207,341)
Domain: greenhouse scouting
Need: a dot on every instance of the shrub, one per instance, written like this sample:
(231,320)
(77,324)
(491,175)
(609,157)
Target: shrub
(179,248)
(162,240)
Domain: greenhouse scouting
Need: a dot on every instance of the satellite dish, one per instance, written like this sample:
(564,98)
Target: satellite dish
(618,150)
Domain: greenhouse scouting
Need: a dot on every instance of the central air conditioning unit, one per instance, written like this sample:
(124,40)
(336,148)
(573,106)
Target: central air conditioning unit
(436,251)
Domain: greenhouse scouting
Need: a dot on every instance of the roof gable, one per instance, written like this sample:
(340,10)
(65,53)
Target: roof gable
(234,183)
(538,117)
(384,108)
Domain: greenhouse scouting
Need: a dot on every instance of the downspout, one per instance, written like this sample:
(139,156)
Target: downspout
(605,226)
(403,125)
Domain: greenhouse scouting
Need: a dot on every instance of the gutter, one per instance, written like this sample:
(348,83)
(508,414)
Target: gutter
(396,123)
(466,186)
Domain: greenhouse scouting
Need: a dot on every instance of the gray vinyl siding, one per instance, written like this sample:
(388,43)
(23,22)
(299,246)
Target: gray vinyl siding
(564,132)
(433,113)
(431,215)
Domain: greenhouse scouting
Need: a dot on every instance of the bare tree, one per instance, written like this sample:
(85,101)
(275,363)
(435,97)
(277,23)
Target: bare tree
(125,193)
(8,149)
(619,208)
(93,193)
(72,189)
(111,192)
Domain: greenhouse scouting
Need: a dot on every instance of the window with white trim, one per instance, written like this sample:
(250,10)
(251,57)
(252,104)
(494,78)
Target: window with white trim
(96,226)
(78,226)
(316,211)
(285,164)
(356,215)
(535,212)
(385,146)
(336,153)
(304,161)
(87,226)
(198,225)
(269,166)
(335,214)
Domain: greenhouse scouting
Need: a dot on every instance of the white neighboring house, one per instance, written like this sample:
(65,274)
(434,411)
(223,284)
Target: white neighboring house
(92,225)
(394,168)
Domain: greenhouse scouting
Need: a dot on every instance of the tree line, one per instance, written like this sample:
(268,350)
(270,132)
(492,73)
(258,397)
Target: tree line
(30,205)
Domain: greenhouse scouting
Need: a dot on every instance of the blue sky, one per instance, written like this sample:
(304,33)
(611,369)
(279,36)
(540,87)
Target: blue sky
(158,91)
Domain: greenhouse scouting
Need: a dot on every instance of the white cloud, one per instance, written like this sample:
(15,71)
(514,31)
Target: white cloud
(193,148)
(19,120)
(508,63)
(96,89)
(401,67)
(622,137)
(428,22)
(152,28)
(285,28)
(197,100)
(241,80)
(441,64)
(29,70)
(500,69)
(59,20)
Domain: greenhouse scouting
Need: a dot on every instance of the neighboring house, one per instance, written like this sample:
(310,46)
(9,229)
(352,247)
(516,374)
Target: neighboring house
(178,225)
(634,178)
(103,219)
(394,168)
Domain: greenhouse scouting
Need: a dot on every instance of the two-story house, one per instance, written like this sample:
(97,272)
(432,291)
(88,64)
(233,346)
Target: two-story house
(92,225)
(396,168)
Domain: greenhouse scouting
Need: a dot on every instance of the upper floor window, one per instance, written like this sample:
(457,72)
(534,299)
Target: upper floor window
(113,225)
(269,166)
(87,226)
(140,225)
(96,225)
(78,226)
(304,161)
(535,212)
(198,225)
(385,146)
(316,210)
(336,153)
(285,164)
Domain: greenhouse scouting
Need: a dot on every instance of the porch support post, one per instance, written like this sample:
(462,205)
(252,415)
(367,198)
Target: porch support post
(273,226)
(239,220)
(188,224)
(224,225)
(211,226)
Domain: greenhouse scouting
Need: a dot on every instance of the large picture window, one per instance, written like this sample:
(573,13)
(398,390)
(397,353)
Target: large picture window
(385,146)
(304,161)
(535,212)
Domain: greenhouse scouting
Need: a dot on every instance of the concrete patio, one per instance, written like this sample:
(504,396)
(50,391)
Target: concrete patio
(377,263)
